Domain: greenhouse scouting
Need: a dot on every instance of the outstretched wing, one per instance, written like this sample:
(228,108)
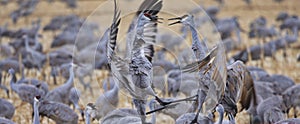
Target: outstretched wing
(151,7)
(114,28)
(196,66)
(150,32)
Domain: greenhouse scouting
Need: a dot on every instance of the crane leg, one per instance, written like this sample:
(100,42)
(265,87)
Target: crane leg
(141,109)
(200,100)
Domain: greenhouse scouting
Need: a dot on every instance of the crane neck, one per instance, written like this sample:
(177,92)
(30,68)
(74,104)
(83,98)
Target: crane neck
(197,47)
(71,77)
(87,118)
(36,118)
(221,116)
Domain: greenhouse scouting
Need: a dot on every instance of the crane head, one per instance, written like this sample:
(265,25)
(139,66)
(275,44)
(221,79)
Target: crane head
(11,71)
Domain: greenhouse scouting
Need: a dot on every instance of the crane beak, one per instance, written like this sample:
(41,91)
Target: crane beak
(156,19)
(176,18)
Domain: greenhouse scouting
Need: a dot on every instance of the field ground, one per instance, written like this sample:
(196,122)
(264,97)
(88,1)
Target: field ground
(289,67)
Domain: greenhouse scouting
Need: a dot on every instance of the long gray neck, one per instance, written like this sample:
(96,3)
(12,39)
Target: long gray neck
(87,118)
(36,118)
(198,49)
(71,77)
(221,116)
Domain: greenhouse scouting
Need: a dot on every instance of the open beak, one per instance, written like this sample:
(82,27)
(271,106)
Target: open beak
(176,18)
(156,19)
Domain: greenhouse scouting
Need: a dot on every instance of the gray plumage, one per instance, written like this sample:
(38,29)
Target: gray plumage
(74,98)
(58,112)
(107,102)
(34,58)
(291,97)
(127,116)
(7,110)
(282,16)
(121,116)
(228,25)
(8,63)
(257,73)
(61,93)
(202,119)
(270,110)
(289,121)
(279,82)
(239,87)
(264,89)
(6,121)
(25,92)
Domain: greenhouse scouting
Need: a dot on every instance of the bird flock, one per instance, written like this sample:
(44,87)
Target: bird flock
(155,74)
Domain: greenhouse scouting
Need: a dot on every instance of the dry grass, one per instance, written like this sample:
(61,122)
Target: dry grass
(288,67)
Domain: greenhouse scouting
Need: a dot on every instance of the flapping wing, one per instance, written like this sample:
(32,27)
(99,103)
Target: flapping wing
(196,66)
(111,45)
(151,7)
(150,32)
(248,92)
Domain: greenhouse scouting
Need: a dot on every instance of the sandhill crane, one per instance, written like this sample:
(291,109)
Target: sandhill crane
(212,77)
(228,25)
(7,110)
(24,91)
(258,22)
(263,32)
(61,93)
(291,96)
(264,89)
(36,117)
(35,82)
(239,87)
(8,63)
(106,103)
(269,49)
(292,23)
(279,82)
(25,9)
(282,16)
(35,58)
(270,110)
(58,112)
(138,71)
(58,58)
(6,121)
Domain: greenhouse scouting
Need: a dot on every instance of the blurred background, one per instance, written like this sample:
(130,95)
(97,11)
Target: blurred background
(15,18)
